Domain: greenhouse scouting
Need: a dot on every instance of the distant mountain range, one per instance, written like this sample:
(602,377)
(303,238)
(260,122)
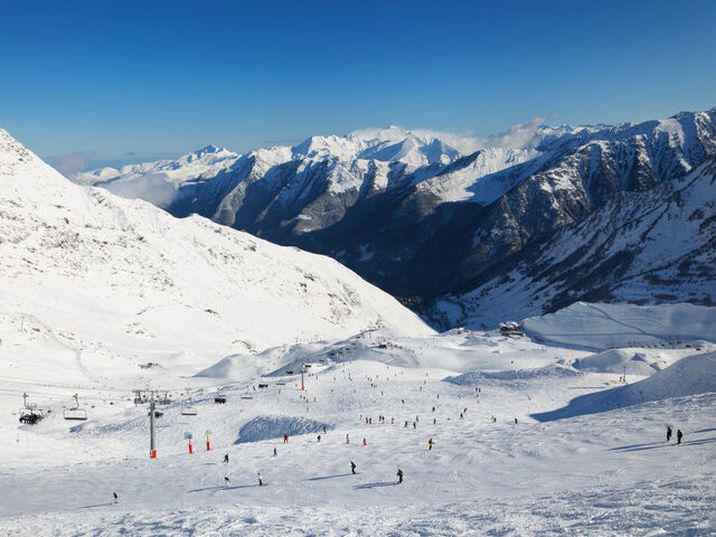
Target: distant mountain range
(468,231)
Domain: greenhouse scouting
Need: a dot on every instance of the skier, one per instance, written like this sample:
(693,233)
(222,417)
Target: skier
(400,476)
(353,467)
(348,439)
(364,442)
(319,437)
(430,444)
(415,425)
(285,438)
(116,498)
(261,481)
(494,419)
(668,433)
(275,452)
(226,458)
(679,434)
(226,481)
(515,421)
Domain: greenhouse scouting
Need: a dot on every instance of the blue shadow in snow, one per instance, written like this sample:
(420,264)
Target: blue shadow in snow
(321,478)
(95,505)
(376,485)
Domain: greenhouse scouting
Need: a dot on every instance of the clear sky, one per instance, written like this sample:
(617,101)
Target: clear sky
(134,79)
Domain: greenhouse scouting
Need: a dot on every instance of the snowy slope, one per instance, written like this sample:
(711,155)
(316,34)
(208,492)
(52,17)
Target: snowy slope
(179,293)
(605,473)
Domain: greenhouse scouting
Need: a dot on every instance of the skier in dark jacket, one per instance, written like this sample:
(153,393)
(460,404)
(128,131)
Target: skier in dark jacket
(226,458)
(116,498)
(400,476)
(668,433)
(679,434)
(353,467)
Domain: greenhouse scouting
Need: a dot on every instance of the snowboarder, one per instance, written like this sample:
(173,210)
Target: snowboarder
(285,438)
(353,467)
(226,458)
(261,481)
(400,476)
(116,498)
(430,444)
(668,433)
(679,434)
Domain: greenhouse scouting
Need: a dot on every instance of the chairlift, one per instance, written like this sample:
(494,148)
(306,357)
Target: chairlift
(75,413)
(220,399)
(29,413)
(188,410)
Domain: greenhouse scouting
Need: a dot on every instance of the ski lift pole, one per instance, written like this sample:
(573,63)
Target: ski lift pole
(189,436)
(152,445)
(207,433)
(303,370)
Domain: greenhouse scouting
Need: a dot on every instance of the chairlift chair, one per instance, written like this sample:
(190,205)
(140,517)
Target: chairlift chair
(75,413)
(188,410)
(29,413)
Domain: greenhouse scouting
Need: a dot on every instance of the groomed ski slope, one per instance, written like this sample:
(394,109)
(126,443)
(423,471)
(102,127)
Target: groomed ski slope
(604,473)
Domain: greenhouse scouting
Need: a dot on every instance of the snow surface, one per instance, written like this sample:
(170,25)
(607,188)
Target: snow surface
(199,310)
(605,473)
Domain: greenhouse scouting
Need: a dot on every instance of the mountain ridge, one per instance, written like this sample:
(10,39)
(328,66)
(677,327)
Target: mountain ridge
(426,221)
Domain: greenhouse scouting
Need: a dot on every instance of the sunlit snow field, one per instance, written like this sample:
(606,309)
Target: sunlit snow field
(602,473)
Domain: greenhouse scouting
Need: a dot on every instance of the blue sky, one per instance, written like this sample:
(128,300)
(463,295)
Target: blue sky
(136,79)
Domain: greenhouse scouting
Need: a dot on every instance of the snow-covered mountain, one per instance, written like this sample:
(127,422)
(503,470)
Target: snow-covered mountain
(97,275)
(427,216)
